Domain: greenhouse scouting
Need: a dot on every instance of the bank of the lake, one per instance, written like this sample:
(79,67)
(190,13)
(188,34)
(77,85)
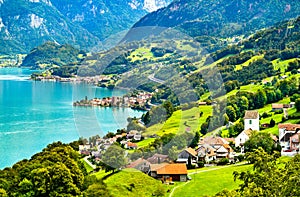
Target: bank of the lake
(34,114)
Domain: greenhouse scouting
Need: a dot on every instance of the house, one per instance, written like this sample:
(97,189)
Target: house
(171,172)
(286,131)
(206,153)
(294,142)
(242,138)
(225,151)
(251,120)
(214,141)
(130,145)
(141,165)
(158,158)
(184,155)
(278,107)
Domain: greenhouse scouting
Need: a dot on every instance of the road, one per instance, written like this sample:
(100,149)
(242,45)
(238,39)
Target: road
(152,78)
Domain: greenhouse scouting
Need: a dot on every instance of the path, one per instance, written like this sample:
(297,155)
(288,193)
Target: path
(89,163)
(171,194)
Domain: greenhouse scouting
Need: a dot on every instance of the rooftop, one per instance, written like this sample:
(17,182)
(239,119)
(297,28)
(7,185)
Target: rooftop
(289,127)
(170,169)
(251,114)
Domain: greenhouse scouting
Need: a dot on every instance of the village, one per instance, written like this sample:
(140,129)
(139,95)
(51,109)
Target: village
(139,100)
(210,150)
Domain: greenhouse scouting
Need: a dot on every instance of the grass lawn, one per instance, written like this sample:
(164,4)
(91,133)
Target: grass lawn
(87,166)
(210,182)
(180,121)
(132,183)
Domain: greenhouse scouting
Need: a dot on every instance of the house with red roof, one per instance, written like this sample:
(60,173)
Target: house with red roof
(171,172)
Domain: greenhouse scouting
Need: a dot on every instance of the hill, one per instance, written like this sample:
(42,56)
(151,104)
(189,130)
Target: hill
(52,54)
(132,183)
(220,18)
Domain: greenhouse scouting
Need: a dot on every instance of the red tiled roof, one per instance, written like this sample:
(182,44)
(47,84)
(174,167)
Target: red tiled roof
(251,114)
(130,144)
(172,169)
(289,127)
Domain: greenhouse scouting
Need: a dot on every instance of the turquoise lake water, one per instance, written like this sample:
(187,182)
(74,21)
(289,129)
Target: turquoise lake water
(34,114)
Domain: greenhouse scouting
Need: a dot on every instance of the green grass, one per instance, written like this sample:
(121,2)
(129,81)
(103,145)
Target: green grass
(180,120)
(211,182)
(252,59)
(87,166)
(140,54)
(282,65)
(132,183)
(145,142)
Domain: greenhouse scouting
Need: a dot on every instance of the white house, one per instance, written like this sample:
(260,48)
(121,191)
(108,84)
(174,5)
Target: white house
(251,120)
(242,138)
(286,131)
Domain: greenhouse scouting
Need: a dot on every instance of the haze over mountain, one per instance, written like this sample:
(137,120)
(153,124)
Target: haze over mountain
(25,24)
(220,18)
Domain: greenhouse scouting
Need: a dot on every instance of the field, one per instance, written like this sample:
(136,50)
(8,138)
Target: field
(210,182)
(180,121)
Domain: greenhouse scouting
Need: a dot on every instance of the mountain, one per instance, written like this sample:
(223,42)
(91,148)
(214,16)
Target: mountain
(222,18)
(103,18)
(25,24)
(29,23)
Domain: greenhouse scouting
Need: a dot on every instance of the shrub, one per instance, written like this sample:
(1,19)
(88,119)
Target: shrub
(223,161)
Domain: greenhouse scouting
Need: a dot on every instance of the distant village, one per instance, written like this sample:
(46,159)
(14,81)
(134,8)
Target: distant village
(211,150)
(138,101)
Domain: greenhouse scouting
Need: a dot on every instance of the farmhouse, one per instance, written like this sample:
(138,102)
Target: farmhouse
(171,172)
(184,155)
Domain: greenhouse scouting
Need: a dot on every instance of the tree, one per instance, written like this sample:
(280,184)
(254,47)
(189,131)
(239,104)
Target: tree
(204,128)
(267,178)
(272,122)
(113,158)
(260,98)
(173,153)
(231,113)
(262,140)
(297,104)
(195,140)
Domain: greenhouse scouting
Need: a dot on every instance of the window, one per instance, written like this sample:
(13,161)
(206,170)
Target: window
(250,121)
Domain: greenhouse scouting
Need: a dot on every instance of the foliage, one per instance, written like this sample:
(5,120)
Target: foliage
(56,171)
(262,140)
(113,158)
(297,104)
(268,178)
(52,54)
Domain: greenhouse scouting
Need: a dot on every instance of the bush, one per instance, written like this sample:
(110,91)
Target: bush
(241,158)
(200,164)
(223,161)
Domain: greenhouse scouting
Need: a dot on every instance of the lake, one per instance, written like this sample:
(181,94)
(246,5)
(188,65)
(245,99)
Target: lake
(35,113)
